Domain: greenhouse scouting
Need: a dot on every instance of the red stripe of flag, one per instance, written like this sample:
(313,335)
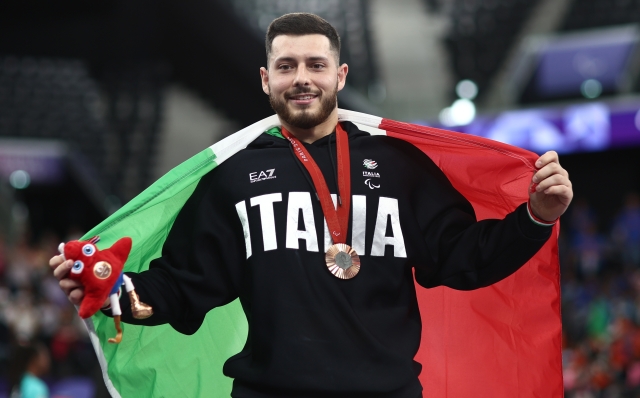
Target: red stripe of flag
(503,340)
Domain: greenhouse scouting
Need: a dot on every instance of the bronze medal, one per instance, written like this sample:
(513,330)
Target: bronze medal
(342,261)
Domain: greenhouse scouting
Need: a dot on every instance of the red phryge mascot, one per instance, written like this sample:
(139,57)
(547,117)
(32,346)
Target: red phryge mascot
(100,272)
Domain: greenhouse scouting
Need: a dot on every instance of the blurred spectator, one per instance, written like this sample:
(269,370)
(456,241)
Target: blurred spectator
(598,318)
(29,362)
(581,216)
(18,270)
(21,316)
(588,248)
(67,344)
(626,231)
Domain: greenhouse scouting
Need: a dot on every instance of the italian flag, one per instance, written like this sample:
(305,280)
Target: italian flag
(500,341)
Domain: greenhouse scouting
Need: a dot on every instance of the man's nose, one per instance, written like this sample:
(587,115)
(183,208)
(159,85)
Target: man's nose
(302,76)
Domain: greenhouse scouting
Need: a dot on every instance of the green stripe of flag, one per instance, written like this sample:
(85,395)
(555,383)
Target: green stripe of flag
(152,361)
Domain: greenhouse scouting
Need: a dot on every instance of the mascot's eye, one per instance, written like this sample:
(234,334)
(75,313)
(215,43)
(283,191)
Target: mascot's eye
(88,250)
(78,266)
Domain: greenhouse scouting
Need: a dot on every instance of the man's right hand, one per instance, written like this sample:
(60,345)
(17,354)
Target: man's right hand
(72,288)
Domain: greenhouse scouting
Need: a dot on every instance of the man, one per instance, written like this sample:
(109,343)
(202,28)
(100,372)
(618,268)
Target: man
(331,307)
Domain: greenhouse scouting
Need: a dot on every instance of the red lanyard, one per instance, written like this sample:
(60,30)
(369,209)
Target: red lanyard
(337,220)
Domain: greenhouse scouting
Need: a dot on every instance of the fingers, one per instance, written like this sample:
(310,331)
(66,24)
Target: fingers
(548,157)
(552,179)
(557,185)
(62,270)
(55,261)
(73,290)
(67,285)
(548,170)
(561,191)
(556,180)
(76,296)
(551,190)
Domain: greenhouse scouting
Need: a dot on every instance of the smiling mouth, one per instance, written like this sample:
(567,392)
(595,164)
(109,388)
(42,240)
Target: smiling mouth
(302,97)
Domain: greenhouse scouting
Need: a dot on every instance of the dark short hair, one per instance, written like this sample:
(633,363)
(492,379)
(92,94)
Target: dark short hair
(302,23)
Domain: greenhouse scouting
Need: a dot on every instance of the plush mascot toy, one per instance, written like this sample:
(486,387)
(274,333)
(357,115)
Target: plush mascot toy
(100,272)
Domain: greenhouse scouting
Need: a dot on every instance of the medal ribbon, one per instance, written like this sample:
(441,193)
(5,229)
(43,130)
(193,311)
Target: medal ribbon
(337,219)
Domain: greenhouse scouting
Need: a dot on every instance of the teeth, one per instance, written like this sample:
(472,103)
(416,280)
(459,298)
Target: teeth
(306,97)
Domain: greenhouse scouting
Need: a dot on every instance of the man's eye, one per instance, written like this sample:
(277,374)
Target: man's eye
(284,67)
(318,66)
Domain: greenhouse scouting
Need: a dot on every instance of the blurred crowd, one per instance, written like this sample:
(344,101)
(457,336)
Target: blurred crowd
(600,276)
(37,322)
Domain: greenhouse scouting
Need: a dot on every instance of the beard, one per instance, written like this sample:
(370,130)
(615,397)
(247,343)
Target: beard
(304,118)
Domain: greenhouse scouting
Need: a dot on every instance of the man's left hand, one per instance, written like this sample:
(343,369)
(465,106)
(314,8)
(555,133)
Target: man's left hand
(550,191)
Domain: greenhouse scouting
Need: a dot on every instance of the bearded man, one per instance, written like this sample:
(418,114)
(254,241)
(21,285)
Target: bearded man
(318,228)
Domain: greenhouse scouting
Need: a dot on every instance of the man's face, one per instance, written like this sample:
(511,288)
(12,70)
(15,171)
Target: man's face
(303,79)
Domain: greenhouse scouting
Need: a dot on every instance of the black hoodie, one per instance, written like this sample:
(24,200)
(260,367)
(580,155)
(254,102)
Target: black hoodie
(254,229)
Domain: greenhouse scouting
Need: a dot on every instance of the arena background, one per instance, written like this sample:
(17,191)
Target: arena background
(98,99)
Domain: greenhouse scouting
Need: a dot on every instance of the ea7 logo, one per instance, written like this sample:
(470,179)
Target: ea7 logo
(261,176)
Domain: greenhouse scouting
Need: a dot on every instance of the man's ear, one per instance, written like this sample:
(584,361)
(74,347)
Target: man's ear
(264,76)
(342,75)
